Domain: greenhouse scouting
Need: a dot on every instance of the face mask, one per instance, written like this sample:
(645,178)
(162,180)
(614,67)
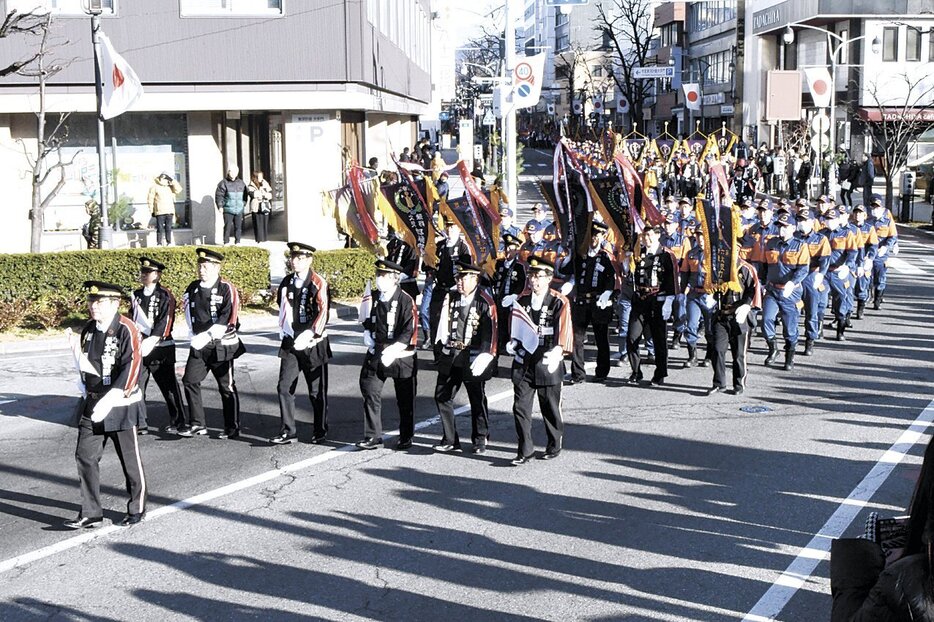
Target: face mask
(805,226)
(877,212)
(385,282)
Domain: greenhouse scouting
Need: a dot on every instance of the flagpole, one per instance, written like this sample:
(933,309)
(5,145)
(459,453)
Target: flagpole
(106,234)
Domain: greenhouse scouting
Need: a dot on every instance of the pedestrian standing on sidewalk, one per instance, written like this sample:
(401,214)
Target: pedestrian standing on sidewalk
(161,200)
(230,198)
(260,193)
(108,355)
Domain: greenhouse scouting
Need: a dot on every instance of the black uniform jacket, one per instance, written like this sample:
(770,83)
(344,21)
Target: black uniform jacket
(115,356)
(554,328)
(466,332)
(392,321)
(205,307)
(156,310)
(304,307)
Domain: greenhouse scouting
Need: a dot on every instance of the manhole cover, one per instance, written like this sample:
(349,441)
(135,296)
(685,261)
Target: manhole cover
(754,410)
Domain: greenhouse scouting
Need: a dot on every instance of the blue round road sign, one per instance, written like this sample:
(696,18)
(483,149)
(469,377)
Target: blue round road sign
(524,90)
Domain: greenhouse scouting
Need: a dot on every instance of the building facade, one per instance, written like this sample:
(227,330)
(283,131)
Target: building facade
(297,90)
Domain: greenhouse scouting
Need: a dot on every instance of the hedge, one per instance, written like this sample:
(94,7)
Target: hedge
(43,290)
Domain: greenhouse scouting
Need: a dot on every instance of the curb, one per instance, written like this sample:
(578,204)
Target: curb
(339,311)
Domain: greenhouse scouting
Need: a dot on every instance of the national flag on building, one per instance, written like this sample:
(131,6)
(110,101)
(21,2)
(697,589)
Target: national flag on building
(121,86)
(819,83)
(692,98)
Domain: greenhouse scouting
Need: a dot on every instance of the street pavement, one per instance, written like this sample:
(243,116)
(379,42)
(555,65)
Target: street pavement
(665,505)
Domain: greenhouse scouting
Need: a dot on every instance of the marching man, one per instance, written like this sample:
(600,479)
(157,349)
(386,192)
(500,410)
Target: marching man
(541,335)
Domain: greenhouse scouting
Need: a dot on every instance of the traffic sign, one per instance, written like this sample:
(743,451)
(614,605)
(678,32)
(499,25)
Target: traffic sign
(488,118)
(820,122)
(566,2)
(649,73)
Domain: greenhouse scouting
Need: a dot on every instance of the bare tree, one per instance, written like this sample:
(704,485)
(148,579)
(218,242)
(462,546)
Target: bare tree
(906,110)
(625,28)
(17,23)
(46,161)
(579,67)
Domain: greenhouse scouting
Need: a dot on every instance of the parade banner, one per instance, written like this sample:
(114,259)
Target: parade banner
(634,147)
(364,185)
(695,146)
(340,205)
(720,227)
(612,202)
(641,206)
(406,213)
(474,230)
(726,140)
(666,148)
(710,149)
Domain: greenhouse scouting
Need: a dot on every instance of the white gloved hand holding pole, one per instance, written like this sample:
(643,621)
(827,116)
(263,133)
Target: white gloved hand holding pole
(667,307)
(303,340)
(566,288)
(200,340)
(368,340)
(553,358)
(391,353)
(604,300)
(509,300)
(511,346)
(741,313)
(148,344)
(480,363)
(105,405)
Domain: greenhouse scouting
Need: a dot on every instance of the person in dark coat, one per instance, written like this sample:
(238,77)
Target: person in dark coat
(231,197)
(107,355)
(867,174)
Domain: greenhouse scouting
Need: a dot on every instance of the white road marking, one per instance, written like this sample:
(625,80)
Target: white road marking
(818,549)
(902,266)
(210,495)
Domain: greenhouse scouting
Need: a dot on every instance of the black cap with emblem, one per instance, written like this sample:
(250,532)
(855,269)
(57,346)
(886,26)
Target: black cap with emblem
(300,248)
(208,255)
(388,267)
(147,264)
(537,263)
(100,289)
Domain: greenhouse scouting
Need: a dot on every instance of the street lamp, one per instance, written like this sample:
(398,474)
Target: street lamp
(788,36)
(94,9)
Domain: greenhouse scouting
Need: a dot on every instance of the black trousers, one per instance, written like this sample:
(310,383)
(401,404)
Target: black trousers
(260,226)
(163,372)
(549,400)
(164,228)
(582,317)
(371,387)
(88,454)
(233,224)
(647,314)
(434,311)
(727,333)
(196,370)
(316,378)
(446,389)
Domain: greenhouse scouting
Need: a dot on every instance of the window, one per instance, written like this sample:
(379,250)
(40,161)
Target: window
(596,71)
(58,7)
(230,7)
(913,45)
(844,48)
(890,45)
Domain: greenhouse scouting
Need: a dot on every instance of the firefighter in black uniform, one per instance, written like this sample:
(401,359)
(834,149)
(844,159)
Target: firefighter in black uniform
(452,251)
(467,335)
(398,251)
(153,310)
(108,357)
(595,283)
(508,283)
(390,334)
(211,308)
(540,336)
(732,322)
(655,278)
(303,314)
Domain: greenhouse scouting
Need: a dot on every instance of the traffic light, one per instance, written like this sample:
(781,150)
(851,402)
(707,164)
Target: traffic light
(908,184)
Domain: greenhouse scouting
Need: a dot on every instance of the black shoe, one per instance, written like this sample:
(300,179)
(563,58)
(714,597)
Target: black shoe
(284,439)
(318,439)
(860,307)
(790,359)
(479,448)
(600,378)
(573,380)
(634,379)
(737,391)
(847,322)
(131,519)
(773,353)
(195,430)
(520,460)
(370,443)
(446,447)
(657,382)
(840,335)
(84,523)
(704,362)
(713,390)
(404,443)
(808,347)
(143,431)
(170,429)
(551,454)
(230,434)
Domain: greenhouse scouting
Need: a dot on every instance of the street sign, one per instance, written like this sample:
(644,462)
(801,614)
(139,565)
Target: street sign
(566,2)
(726,110)
(488,118)
(820,122)
(650,73)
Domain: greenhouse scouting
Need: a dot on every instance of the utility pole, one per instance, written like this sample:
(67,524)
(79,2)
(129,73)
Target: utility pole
(106,238)
(509,114)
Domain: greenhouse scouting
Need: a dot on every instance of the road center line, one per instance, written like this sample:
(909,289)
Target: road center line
(818,549)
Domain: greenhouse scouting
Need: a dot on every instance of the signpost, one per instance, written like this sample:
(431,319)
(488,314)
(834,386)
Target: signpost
(653,72)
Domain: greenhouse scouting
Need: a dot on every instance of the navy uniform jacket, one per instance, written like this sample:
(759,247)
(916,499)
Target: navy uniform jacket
(392,321)
(466,332)
(448,256)
(216,305)
(508,279)
(309,305)
(159,311)
(115,356)
(595,275)
(553,322)
(402,253)
(654,274)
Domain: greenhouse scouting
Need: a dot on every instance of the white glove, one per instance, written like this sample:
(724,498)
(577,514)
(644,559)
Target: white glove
(511,346)
(787,288)
(818,280)
(667,306)
(509,300)
(883,251)
(81,388)
(709,301)
(553,358)
(105,405)
(742,312)
(149,343)
(217,331)
(391,353)
(480,363)
(200,340)
(303,341)
(860,272)
(604,300)
(843,271)
(368,340)
(566,288)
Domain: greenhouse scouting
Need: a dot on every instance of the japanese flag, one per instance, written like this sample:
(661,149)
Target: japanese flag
(523,329)
(819,84)
(692,98)
(366,303)
(121,85)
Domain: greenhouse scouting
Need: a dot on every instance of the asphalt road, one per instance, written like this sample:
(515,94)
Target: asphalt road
(666,504)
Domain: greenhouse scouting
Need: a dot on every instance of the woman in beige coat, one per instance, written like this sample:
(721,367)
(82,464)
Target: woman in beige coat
(161,200)
(260,194)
